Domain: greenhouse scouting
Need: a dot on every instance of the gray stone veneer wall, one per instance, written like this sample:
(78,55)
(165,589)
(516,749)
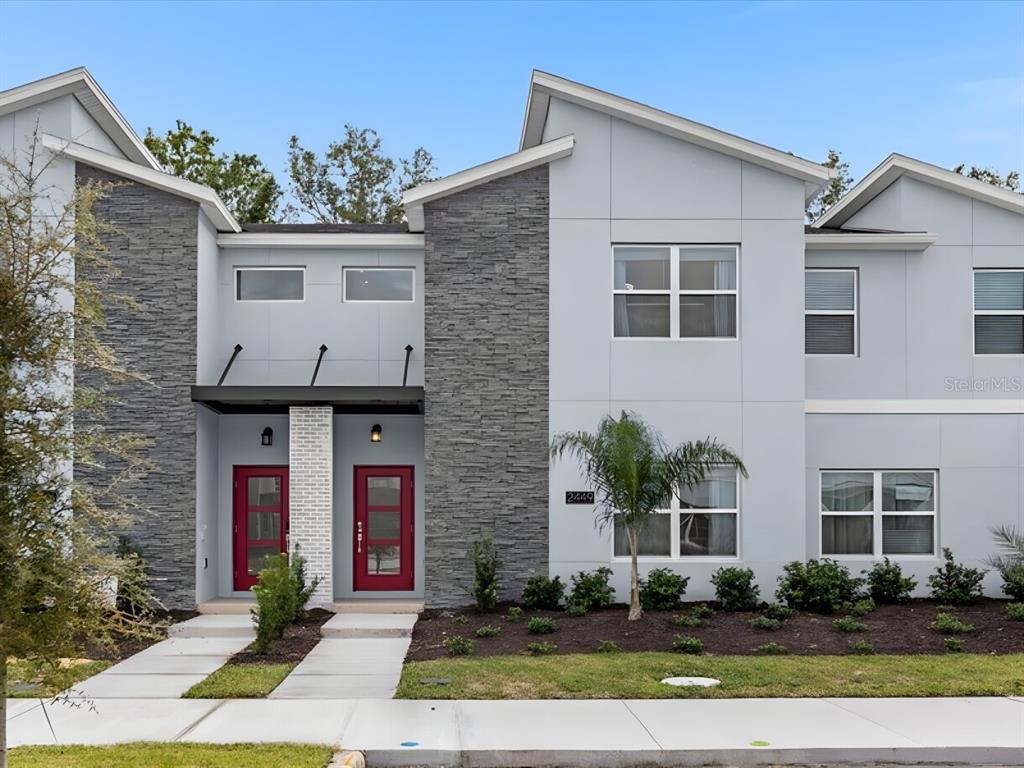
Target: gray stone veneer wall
(486,381)
(155,248)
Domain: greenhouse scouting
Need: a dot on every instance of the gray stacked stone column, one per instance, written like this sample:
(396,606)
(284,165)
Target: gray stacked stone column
(153,246)
(311,495)
(486,382)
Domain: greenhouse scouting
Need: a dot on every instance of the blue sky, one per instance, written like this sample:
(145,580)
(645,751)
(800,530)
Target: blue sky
(940,82)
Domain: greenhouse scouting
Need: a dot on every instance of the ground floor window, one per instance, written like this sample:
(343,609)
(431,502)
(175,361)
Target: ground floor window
(698,522)
(878,512)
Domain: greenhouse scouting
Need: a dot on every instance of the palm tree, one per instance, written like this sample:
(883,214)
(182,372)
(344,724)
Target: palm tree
(633,472)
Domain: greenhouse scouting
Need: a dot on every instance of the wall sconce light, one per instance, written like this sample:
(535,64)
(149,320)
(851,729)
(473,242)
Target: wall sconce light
(267,438)
(375,432)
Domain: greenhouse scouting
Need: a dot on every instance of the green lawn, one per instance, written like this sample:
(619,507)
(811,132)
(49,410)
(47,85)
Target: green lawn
(173,756)
(240,681)
(51,679)
(638,675)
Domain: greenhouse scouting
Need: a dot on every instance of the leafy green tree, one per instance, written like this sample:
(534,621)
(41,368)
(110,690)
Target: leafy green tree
(247,188)
(633,472)
(354,182)
(59,567)
(836,188)
(1010,181)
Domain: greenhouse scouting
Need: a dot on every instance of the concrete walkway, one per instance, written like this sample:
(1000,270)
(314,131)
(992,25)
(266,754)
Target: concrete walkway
(975,731)
(360,657)
(167,669)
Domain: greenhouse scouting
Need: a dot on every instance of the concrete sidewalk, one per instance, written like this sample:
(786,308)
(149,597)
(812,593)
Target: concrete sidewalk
(974,731)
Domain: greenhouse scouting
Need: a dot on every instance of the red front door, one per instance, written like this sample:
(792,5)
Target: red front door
(383,535)
(261,520)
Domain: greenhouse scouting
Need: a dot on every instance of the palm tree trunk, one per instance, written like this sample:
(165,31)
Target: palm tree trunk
(635,611)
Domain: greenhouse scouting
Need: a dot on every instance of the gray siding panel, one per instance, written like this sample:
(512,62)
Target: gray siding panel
(486,380)
(155,249)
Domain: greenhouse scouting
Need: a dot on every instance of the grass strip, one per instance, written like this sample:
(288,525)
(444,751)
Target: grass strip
(638,676)
(240,681)
(147,755)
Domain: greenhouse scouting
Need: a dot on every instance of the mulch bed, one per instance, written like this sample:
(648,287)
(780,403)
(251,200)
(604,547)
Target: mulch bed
(298,640)
(898,629)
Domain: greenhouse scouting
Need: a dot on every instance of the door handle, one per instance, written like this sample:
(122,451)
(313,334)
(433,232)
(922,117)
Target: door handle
(359,537)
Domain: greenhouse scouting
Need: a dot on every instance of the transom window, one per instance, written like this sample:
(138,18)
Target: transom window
(675,292)
(270,283)
(702,523)
(876,513)
(379,284)
(830,312)
(999,312)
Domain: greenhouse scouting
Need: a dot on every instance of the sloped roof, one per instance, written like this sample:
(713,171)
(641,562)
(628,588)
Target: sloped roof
(81,84)
(895,166)
(543,86)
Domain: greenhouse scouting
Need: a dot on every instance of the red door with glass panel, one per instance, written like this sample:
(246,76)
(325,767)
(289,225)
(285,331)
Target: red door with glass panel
(260,520)
(383,535)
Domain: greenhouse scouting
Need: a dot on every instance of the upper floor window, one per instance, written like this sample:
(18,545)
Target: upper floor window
(998,312)
(270,283)
(675,292)
(830,312)
(382,284)
(876,513)
(699,522)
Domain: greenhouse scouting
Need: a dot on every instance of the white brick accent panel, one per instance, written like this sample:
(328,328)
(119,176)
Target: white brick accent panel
(311,494)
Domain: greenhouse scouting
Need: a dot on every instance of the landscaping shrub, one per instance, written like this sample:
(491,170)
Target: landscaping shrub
(541,625)
(459,646)
(663,590)
(887,584)
(608,646)
(778,611)
(687,644)
(485,573)
(954,644)
(460,619)
(849,624)
(131,585)
(820,586)
(281,594)
(863,648)
(766,623)
(575,610)
(735,589)
(1015,611)
(541,649)
(861,607)
(1013,580)
(702,611)
(514,613)
(954,583)
(487,631)
(687,620)
(772,649)
(591,590)
(948,624)
(542,592)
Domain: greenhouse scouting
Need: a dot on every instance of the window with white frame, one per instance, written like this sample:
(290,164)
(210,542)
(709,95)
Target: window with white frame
(830,311)
(699,522)
(378,284)
(270,283)
(998,311)
(878,512)
(675,291)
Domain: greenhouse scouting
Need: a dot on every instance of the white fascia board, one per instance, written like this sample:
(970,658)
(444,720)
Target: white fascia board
(870,241)
(415,198)
(88,92)
(208,199)
(914,406)
(319,240)
(895,166)
(544,84)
